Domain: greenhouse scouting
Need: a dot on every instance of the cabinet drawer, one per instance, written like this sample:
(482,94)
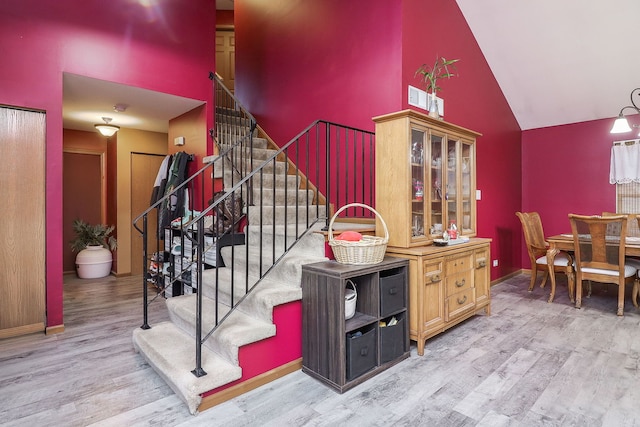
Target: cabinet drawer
(393,340)
(432,271)
(460,262)
(459,304)
(392,293)
(361,353)
(458,282)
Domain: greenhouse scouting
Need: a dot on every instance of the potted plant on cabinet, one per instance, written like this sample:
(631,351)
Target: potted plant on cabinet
(94,244)
(429,75)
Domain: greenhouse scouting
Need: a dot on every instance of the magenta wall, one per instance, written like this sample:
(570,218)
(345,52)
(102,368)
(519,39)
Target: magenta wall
(298,61)
(565,170)
(167,48)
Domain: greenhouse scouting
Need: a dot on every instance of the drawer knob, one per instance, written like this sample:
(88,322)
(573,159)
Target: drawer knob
(460,284)
(393,291)
(435,278)
(463,300)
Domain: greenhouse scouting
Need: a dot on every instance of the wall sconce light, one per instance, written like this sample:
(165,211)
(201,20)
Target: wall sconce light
(621,125)
(106,129)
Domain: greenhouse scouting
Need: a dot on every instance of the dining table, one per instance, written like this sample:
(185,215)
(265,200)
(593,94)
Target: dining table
(564,242)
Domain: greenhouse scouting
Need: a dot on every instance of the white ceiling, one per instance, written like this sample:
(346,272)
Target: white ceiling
(559,61)
(87,100)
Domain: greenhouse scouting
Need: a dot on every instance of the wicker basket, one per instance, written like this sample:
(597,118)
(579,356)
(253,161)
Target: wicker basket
(369,250)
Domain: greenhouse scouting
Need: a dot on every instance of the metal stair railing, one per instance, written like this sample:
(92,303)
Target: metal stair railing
(331,164)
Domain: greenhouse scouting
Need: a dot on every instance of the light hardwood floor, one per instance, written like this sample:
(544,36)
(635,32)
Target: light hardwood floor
(530,363)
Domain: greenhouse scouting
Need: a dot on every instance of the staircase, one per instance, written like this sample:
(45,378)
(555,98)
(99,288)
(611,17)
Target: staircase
(253,302)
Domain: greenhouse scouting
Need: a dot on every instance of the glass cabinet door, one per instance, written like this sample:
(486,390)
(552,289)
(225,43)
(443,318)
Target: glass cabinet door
(417,161)
(452,195)
(467,199)
(437,194)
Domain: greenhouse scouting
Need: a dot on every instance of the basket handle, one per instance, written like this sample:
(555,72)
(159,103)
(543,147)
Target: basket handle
(353,286)
(361,205)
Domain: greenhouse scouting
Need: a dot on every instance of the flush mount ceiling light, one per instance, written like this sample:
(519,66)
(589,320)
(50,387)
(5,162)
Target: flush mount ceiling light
(621,125)
(106,129)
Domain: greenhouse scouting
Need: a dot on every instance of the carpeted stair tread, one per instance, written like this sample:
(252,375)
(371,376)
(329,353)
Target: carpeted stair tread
(170,352)
(268,294)
(290,213)
(237,330)
(288,269)
(280,197)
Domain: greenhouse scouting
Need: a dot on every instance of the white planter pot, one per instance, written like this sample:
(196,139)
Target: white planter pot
(93,262)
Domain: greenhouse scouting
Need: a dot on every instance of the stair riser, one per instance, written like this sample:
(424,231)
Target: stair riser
(302,215)
(246,152)
(267,181)
(280,198)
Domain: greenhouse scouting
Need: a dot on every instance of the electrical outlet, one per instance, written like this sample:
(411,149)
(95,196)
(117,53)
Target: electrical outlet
(495,262)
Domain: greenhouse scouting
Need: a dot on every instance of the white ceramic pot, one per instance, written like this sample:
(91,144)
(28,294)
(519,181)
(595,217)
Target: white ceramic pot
(93,262)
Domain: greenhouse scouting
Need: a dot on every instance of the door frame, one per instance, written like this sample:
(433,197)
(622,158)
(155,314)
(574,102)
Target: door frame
(103,178)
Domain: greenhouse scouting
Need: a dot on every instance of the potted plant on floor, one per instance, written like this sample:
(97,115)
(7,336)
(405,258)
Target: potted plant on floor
(94,244)
(429,75)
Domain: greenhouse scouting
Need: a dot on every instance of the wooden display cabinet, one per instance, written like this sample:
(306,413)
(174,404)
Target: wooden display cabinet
(425,178)
(344,353)
(446,286)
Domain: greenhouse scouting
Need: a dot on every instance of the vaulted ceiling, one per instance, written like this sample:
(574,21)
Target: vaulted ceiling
(556,61)
(559,61)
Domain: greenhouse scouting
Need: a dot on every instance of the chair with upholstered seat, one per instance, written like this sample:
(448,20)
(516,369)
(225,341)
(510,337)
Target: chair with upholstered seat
(599,243)
(537,249)
(633,232)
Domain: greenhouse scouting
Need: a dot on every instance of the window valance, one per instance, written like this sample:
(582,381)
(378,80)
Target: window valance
(625,162)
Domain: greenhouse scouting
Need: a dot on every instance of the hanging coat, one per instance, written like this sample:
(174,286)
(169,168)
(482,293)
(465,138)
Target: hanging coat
(173,207)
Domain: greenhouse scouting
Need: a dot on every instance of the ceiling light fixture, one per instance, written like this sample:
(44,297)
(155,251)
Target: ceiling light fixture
(621,125)
(106,129)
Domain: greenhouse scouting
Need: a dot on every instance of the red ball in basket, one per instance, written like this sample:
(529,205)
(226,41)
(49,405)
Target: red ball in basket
(358,249)
(351,236)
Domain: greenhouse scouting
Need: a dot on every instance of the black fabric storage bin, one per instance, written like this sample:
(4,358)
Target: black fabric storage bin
(392,293)
(361,354)
(392,341)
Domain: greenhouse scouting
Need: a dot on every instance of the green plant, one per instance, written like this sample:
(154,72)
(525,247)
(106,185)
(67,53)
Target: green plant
(441,69)
(92,235)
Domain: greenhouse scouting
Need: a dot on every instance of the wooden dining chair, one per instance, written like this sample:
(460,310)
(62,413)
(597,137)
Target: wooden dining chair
(537,249)
(633,231)
(599,243)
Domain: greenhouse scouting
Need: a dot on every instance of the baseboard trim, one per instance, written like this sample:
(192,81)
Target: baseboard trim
(508,276)
(21,330)
(251,384)
(56,329)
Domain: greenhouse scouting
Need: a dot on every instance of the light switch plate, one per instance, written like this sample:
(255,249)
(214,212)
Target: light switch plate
(178,140)
(478,195)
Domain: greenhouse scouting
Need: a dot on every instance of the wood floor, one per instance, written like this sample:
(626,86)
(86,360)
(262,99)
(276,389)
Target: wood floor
(530,363)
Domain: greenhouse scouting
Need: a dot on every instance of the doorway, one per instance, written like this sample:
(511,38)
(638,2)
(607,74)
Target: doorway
(226,56)
(144,167)
(83,196)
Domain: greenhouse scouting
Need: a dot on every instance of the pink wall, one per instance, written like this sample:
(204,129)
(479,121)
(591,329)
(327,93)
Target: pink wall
(167,47)
(473,100)
(347,62)
(298,61)
(565,170)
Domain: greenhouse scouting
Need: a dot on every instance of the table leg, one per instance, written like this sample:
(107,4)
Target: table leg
(551,255)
